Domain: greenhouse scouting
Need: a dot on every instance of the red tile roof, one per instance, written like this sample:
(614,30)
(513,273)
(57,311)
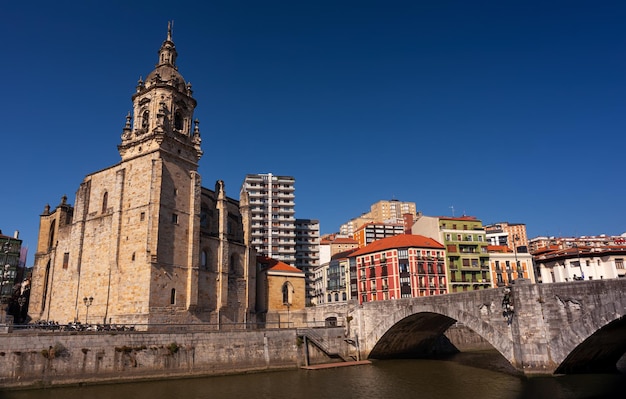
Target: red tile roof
(399,241)
(344,240)
(276,265)
(344,254)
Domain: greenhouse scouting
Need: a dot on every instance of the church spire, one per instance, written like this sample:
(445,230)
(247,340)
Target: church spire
(167,52)
(162,116)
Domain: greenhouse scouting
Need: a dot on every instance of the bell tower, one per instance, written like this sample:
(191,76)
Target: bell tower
(163,109)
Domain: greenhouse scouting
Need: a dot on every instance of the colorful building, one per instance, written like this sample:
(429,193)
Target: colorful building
(466,248)
(401,266)
(508,266)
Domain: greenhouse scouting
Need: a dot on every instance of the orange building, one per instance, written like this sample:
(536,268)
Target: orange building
(507,266)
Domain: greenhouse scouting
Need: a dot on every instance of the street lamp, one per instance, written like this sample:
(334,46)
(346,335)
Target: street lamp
(517,265)
(87,302)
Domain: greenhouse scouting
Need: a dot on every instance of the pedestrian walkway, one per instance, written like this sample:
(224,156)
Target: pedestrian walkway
(336,364)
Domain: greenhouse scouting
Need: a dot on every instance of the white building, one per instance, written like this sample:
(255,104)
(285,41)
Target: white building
(581,263)
(272,210)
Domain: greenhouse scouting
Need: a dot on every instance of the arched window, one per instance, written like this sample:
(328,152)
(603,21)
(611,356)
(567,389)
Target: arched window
(145,120)
(204,260)
(343,296)
(336,297)
(105,200)
(44,295)
(178,120)
(287,293)
(330,298)
(51,234)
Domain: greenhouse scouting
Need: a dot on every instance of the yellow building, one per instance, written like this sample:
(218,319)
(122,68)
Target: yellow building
(280,291)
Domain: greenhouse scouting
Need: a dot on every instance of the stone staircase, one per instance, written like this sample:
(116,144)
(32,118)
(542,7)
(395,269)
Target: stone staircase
(316,339)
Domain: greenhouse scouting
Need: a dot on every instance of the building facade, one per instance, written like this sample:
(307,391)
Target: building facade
(280,291)
(273,221)
(581,263)
(389,212)
(370,232)
(466,249)
(513,235)
(308,252)
(144,240)
(508,266)
(402,266)
(542,243)
(11,277)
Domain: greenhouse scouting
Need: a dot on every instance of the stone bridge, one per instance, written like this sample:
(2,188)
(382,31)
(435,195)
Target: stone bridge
(562,328)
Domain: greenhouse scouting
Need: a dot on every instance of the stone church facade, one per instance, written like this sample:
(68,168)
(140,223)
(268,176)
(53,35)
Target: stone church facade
(144,239)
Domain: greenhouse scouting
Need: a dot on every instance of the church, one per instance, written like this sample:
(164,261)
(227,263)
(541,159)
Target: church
(145,243)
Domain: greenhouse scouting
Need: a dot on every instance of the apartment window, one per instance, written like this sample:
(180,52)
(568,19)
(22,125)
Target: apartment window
(619,263)
(448,237)
(403,253)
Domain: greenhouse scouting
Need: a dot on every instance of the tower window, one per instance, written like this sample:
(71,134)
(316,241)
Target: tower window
(178,121)
(105,201)
(174,218)
(145,120)
(173,297)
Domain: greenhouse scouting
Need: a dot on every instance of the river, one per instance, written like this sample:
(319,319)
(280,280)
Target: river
(465,375)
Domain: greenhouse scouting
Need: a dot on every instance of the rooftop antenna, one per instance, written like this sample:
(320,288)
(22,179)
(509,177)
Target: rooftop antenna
(452,207)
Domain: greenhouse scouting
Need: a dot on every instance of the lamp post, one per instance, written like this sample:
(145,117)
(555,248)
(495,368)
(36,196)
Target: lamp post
(87,302)
(517,266)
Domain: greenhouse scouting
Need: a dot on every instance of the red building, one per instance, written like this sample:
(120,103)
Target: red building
(402,266)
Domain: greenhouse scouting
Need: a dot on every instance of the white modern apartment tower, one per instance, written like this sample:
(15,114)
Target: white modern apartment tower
(272,210)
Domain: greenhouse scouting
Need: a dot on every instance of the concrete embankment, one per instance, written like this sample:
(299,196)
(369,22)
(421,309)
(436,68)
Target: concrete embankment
(61,358)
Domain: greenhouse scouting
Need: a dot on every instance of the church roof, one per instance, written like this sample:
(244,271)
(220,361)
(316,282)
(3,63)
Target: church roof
(276,265)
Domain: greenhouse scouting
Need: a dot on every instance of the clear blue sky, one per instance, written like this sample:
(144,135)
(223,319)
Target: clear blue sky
(506,110)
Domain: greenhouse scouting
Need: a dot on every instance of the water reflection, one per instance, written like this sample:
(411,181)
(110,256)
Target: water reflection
(386,379)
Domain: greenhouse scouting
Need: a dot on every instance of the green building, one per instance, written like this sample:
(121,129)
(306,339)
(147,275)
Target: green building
(467,259)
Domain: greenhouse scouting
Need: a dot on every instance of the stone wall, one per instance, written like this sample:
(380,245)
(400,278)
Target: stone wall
(46,359)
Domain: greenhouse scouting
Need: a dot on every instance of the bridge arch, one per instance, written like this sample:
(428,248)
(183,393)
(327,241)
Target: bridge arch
(417,330)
